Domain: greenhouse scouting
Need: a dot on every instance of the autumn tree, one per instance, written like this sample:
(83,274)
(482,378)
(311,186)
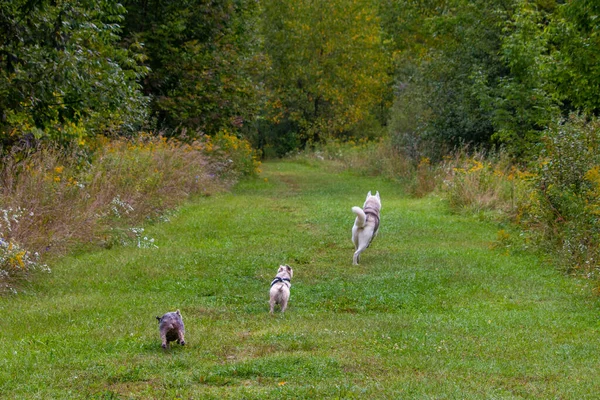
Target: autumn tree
(329,69)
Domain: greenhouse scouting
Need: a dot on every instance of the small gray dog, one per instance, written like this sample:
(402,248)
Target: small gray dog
(280,287)
(171,328)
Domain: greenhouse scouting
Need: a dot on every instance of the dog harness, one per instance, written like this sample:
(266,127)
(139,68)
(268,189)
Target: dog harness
(368,212)
(283,280)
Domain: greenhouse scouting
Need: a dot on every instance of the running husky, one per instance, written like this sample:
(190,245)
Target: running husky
(366,224)
(280,287)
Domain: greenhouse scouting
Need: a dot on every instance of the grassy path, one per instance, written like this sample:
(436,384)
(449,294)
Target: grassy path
(432,311)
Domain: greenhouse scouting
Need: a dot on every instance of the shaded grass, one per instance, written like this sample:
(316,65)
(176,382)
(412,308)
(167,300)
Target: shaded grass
(432,311)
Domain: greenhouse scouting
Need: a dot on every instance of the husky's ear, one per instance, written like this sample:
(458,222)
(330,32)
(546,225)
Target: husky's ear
(178,313)
(377,194)
(369,194)
(158,318)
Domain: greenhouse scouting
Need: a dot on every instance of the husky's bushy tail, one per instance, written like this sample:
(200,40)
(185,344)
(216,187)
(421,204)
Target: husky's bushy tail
(360,215)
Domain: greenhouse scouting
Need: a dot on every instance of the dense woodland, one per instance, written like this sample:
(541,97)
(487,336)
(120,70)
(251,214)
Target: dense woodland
(432,74)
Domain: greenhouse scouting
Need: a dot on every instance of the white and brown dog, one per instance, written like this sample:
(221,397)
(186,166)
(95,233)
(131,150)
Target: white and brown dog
(366,224)
(280,287)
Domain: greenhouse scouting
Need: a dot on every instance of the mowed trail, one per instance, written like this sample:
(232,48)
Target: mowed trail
(434,310)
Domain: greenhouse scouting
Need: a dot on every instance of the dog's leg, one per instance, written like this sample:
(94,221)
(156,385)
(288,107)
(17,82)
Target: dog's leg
(284,302)
(363,244)
(364,238)
(181,339)
(272,305)
(355,240)
(163,337)
(357,253)
(356,258)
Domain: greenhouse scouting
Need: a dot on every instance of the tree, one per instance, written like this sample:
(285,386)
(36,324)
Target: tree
(551,53)
(203,56)
(63,75)
(522,104)
(574,40)
(329,68)
(450,71)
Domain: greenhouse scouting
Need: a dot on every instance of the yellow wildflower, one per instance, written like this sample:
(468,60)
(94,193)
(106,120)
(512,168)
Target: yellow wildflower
(424,161)
(477,165)
(593,176)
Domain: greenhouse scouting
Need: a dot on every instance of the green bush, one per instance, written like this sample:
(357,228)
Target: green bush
(564,209)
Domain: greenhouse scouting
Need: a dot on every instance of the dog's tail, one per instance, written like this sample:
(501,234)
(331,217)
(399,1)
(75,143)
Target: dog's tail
(360,216)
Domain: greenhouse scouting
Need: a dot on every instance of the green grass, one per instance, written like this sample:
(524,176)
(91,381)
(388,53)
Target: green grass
(432,311)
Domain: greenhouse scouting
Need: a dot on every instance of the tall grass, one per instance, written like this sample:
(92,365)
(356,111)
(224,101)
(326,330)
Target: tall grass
(480,181)
(362,157)
(56,198)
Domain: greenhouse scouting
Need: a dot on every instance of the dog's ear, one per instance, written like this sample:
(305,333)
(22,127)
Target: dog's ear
(158,318)
(178,313)
(377,194)
(369,194)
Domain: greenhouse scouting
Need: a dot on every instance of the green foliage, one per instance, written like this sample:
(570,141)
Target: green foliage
(203,58)
(551,56)
(444,76)
(524,104)
(575,35)
(491,72)
(276,139)
(328,66)
(471,39)
(564,210)
(288,74)
(62,74)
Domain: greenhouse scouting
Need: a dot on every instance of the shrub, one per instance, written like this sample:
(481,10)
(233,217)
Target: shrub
(379,158)
(564,209)
(234,156)
(363,157)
